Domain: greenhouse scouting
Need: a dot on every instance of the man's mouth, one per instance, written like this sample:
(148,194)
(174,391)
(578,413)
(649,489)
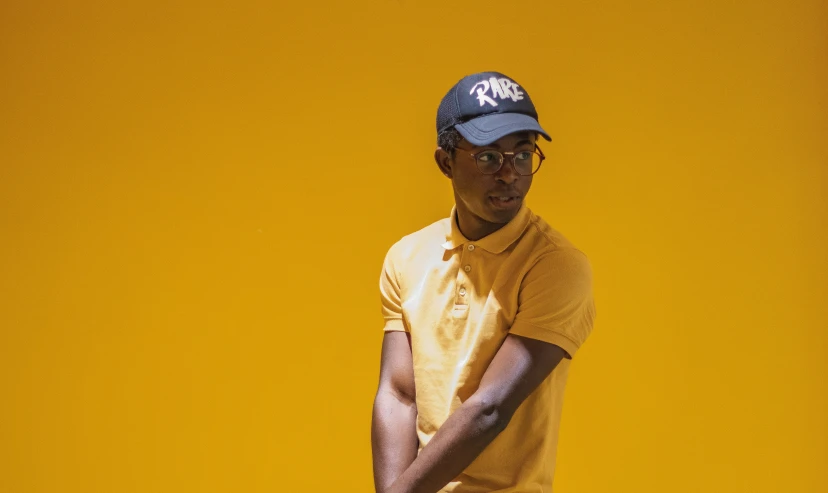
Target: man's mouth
(504,201)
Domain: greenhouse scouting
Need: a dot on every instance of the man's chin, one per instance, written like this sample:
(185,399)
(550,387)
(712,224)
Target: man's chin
(502,213)
(499,217)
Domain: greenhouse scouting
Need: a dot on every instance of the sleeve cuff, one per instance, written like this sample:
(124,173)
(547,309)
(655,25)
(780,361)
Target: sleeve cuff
(394,325)
(544,334)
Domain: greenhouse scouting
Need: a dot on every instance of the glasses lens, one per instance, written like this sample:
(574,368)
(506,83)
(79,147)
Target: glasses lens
(489,162)
(527,162)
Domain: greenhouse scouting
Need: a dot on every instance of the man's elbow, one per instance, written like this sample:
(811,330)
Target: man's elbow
(395,396)
(491,416)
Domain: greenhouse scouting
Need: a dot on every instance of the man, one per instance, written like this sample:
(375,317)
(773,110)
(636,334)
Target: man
(483,312)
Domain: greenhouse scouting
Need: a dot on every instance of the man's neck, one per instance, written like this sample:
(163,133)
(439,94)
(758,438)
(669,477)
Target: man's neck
(475,228)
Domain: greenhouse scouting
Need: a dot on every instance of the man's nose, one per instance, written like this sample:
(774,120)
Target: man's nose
(507,172)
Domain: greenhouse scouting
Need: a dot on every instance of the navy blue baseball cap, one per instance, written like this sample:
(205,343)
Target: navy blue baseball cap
(487,106)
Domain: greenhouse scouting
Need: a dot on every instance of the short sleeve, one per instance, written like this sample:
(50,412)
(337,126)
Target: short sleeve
(390,296)
(555,301)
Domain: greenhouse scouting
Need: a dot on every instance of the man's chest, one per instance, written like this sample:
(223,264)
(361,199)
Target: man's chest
(469,295)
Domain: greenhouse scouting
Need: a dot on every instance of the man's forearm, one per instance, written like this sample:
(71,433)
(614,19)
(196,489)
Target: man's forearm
(463,436)
(394,439)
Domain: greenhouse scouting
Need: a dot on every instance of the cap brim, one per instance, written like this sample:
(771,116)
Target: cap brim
(488,128)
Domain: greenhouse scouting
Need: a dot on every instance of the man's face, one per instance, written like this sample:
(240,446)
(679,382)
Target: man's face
(492,198)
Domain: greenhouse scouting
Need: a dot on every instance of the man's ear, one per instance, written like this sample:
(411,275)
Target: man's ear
(443,161)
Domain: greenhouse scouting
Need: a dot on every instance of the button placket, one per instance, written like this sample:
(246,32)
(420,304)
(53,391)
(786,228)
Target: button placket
(460,297)
(463,280)
(460,294)
(467,267)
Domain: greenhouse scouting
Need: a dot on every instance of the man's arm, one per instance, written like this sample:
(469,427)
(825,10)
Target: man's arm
(394,426)
(519,366)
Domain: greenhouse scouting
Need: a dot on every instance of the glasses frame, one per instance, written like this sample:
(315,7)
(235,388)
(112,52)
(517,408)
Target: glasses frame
(503,155)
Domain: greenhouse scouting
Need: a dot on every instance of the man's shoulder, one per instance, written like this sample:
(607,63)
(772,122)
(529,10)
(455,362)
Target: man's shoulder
(545,238)
(426,238)
(544,248)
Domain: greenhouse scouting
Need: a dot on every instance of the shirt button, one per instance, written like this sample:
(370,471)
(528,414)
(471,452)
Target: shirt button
(462,291)
(467,268)
(471,248)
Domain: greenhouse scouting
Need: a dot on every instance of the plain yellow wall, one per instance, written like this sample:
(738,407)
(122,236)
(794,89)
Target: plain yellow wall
(195,200)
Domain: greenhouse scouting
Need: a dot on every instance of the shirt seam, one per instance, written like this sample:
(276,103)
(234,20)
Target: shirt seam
(555,331)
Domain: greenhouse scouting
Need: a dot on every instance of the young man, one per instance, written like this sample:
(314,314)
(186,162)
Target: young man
(483,312)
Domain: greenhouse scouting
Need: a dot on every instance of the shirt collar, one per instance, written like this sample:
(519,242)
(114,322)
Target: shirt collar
(496,242)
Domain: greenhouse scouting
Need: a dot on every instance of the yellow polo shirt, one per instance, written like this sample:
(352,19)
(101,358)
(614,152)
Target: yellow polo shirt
(459,299)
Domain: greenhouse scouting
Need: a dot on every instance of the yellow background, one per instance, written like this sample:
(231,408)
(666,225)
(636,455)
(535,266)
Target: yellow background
(195,200)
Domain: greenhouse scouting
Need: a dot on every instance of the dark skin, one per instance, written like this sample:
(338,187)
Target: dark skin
(519,366)
(477,215)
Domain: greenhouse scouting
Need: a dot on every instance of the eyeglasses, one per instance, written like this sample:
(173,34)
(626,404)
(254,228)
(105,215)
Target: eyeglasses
(526,163)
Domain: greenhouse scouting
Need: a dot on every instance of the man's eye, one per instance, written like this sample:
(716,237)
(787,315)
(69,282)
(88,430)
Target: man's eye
(523,156)
(487,157)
